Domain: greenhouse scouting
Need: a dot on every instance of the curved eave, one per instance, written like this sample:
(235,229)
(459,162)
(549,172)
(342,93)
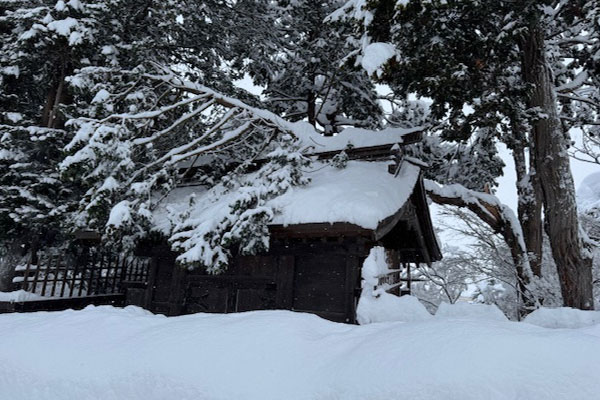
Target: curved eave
(424,216)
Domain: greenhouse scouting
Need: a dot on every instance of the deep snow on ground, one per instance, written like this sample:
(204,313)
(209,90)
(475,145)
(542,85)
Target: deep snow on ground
(564,317)
(111,353)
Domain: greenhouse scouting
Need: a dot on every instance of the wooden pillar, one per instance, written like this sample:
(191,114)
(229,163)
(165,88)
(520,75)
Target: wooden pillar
(284,299)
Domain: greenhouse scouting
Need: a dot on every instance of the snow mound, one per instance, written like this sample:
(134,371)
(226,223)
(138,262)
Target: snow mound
(375,304)
(108,353)
(385,307)
(488,312)
(563,317)
(18,296)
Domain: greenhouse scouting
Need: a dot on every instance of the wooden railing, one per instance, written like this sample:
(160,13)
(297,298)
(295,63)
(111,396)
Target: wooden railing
(397,281)
(100,273)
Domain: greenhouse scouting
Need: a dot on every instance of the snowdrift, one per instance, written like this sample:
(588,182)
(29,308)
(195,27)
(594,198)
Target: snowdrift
(110,353)
(470,311)
(563,317)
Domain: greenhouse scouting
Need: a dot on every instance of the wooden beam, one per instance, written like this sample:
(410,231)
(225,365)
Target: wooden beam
(313,230)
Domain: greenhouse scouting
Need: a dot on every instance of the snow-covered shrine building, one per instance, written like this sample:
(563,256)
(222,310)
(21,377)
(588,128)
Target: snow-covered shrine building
(318,241)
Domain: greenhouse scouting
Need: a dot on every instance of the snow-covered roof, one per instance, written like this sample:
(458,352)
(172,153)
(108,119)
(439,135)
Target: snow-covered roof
(363,193)
(352,137)
(313,143)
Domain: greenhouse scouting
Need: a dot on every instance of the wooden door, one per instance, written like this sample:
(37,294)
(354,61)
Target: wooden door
(320,285)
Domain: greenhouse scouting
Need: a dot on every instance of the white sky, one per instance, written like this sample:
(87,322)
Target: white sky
(507,191)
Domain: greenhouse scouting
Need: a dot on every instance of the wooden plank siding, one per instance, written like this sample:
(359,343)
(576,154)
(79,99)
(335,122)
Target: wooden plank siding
(316,275)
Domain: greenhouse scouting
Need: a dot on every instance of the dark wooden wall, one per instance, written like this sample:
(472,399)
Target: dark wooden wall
(320,276)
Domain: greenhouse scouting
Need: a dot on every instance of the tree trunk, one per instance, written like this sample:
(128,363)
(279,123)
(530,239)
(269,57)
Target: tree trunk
(549,145)
(311,109)
(11,255)
(56,96)
(529,208)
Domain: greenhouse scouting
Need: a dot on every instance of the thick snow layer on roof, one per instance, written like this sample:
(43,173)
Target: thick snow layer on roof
(312,142)
(363,193)
(106,353)
(349,137)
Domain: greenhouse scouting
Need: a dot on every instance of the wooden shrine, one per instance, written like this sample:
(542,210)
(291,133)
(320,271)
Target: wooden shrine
(310,267)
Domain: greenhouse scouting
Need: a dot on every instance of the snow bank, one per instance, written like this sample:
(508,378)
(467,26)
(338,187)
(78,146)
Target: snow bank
(385,307)
(109,353)
(18,296)
(563,317)
(461,310)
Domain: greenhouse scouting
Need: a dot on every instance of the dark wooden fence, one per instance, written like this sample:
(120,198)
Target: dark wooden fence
(98,273)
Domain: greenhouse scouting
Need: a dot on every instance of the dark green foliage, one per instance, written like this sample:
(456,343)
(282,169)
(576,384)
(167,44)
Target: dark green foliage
(302,63)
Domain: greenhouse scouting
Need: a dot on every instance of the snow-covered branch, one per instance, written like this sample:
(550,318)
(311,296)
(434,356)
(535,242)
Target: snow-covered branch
(489,209)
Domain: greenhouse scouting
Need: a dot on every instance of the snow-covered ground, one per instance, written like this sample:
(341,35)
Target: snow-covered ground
(111,353)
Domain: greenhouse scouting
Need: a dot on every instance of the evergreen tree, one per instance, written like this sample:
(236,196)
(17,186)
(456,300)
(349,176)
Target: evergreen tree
(301,63)
(137,158)
(41,41)
(131,157)
(507,61)
(61,60)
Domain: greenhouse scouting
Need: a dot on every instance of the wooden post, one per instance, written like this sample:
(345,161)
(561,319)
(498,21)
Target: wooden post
(56,272)
(284,297)
(45,282)
(151,281)
(82,280)
(26,275)
(114,276)
(36,276)
(100,266)
(352,274)
(123,272)
(92,268)
(64,280)
(75,270)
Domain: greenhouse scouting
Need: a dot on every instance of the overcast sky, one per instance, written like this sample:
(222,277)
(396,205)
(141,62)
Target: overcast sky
(507,191)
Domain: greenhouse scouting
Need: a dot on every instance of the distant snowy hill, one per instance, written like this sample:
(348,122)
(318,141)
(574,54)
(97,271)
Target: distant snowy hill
(588,193)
